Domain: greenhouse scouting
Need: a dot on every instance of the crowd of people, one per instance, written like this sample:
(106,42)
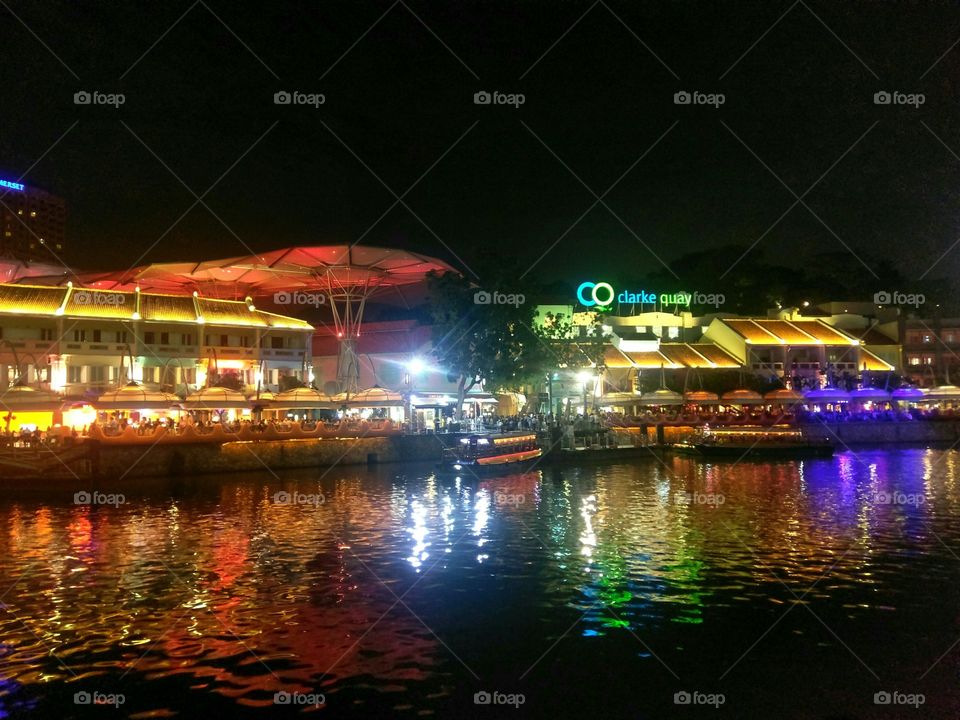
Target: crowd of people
(593,424)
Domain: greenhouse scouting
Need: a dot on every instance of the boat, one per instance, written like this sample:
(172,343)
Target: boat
(755,441)
(486,452)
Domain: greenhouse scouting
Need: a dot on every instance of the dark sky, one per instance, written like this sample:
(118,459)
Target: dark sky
(399,82)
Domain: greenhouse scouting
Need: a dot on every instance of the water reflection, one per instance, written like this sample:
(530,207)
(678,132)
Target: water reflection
(389,591)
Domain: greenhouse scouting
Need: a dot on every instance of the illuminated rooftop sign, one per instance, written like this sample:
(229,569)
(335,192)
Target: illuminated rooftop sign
(601,294)
(12,185)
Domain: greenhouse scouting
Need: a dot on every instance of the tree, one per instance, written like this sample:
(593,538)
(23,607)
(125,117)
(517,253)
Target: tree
(482,335)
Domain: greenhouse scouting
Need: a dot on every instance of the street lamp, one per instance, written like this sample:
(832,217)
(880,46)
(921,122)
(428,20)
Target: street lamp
(583,377)
(415,366)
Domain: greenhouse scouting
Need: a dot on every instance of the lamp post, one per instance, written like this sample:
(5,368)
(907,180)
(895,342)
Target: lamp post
(584,377)
(415,366)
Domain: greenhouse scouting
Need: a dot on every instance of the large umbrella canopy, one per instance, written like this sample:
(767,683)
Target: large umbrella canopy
(376,397)
(827,394)
(618,398)
(326,267)
(302,398)
(12,270)
(264,397)
(27,399)
(870,394)
(742,396)
(663,396)
(216,398)
(783,396)
(133,396)
(943,392)
(701,397)
(908,393)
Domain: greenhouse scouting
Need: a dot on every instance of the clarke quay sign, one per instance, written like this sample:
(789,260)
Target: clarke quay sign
(601,294)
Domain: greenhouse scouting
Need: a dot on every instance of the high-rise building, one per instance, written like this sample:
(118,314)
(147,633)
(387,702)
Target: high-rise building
(33,222)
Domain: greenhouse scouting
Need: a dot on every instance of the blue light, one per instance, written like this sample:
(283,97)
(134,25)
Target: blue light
(11,185)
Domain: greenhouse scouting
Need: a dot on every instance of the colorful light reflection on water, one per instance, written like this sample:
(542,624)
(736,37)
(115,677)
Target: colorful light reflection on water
(403,594)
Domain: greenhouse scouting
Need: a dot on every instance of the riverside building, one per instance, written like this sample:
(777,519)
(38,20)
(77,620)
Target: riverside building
(78,342)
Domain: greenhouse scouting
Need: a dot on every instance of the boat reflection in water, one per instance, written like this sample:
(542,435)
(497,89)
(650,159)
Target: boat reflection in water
(392,591)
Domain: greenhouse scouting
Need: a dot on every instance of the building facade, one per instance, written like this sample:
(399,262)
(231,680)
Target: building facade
(78,342)
(931,349)
(34,223)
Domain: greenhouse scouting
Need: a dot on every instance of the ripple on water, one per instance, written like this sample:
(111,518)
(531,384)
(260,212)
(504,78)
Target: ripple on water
(383,593)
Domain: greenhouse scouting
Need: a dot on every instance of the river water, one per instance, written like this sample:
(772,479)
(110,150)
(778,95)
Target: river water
(762,590)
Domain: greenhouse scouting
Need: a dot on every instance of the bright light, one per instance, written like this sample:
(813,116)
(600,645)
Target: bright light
(416,366)
(584,376)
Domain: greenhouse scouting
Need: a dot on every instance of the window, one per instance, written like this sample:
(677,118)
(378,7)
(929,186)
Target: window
(186,339)
(149,374)
(276,343)
(149,338)
(97,373)
(913,359)
(79,335)
(244,341)
(189,376)
(928,359)
(96,336)
(74,373)
(673,332)
(164,338)
(927,337)
(121,336)
(225,340)
(46,333)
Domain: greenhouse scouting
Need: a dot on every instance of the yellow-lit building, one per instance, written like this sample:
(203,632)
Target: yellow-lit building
(77,341)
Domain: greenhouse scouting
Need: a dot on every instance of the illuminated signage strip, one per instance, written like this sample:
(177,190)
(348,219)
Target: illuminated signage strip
(12,185)
(601,294)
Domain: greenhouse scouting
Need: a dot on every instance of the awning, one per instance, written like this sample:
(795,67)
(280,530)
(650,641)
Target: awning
(741,396)
(216,398)
(134,396)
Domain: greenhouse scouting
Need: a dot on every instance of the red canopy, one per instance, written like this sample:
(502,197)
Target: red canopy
(356,269)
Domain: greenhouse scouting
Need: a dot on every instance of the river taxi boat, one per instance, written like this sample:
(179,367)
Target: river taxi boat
(778,441)
(491,452)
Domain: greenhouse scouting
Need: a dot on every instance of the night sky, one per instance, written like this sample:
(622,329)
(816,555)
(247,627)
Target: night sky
(399,82)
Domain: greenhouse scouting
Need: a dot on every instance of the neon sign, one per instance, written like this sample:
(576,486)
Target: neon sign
(595,298)
(601,294)
(11,185)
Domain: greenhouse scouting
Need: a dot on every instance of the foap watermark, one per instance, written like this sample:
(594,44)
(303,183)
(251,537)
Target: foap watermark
(295,297)
(896,697)
(899,298)
(282,497)
(699,98)
(299,698)
(483,297)
(95,97)
(94,497)
(498,98)
(98,299)
(715,299)
(899,498)
(698,498)
(899,98)
(502,498)
(498,698)
(296,97)
(85,697)
(695,697)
